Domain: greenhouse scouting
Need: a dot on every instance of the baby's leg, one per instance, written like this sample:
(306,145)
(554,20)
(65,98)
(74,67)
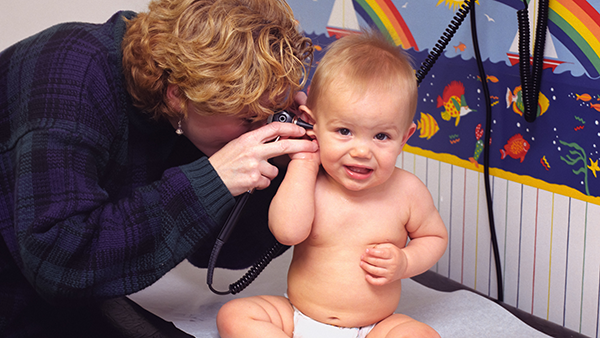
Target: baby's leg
(400,326)
(259,316)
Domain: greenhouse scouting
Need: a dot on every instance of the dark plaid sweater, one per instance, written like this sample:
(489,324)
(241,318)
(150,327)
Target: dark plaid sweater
(96,199)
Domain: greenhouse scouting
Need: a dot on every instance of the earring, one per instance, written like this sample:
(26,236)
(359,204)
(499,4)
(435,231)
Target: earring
(179,131)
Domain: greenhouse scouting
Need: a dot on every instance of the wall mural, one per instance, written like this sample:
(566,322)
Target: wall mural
(559,151)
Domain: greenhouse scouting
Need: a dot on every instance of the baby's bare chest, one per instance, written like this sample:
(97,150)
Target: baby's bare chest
(359,223)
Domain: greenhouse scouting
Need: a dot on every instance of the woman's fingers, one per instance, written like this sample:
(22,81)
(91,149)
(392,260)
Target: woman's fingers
(243,163)
(288,143)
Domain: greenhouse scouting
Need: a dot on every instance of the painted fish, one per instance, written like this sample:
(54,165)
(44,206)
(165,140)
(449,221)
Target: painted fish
(490,78)
(427,125)
(595,106)
(461,46)
(584,97)
(478,145)
(515,98)
(454,102)
(516,147)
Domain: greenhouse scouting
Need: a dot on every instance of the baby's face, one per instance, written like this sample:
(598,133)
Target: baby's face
(360,138)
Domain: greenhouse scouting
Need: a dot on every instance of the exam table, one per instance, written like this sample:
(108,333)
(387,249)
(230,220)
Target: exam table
(181,305)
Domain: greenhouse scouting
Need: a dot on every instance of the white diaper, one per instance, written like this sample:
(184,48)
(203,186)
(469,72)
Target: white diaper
(306,327)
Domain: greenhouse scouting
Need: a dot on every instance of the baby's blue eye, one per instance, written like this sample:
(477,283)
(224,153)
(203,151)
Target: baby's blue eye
(381,136)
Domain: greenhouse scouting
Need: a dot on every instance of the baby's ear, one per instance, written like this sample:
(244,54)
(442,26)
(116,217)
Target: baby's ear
(306,114)
(411,130)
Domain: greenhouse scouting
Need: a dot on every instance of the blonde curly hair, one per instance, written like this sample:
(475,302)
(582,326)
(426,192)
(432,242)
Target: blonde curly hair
(223,55)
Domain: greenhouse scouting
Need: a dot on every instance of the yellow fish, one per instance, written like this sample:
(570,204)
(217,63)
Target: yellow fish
(515,98)
(427,125)
(454,102)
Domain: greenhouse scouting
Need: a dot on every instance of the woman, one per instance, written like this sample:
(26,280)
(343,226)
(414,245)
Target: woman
(123,145)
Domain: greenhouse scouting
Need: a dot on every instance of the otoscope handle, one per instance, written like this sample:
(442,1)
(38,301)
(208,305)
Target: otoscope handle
(233,217)
(222,238)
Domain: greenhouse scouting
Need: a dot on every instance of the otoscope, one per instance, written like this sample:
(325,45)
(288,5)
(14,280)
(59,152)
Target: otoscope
(284,117)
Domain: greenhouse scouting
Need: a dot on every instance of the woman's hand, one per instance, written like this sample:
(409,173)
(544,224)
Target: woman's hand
(313,156)
(243,163)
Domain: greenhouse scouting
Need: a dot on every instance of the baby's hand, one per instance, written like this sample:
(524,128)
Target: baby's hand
(383,263)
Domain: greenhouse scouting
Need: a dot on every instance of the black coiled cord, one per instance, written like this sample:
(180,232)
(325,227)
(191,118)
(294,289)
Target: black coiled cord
(256,269)
(444,40)
(524,63)
(531,78)
(251,275)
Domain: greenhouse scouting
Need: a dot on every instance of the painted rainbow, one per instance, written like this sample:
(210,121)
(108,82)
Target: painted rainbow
(381,14)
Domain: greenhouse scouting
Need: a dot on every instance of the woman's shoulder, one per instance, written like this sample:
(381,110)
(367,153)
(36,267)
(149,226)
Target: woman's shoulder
(68,49)
(69,72)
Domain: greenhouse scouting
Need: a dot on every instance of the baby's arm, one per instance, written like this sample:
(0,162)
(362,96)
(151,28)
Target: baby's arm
(386,262)
(427,232)
(292,210)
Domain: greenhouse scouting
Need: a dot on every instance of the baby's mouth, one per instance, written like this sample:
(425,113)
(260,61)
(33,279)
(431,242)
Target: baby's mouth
(359,170)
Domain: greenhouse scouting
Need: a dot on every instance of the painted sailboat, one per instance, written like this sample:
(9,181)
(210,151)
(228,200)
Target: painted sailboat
(550,57)
(343,20)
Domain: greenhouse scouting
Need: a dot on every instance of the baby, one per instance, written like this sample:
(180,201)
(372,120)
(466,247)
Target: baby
(347,209)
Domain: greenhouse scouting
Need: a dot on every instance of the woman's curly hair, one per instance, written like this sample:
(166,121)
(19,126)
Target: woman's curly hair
(223,55)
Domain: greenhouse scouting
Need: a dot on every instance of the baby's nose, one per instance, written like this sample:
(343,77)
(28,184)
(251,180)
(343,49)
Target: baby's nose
(361,150)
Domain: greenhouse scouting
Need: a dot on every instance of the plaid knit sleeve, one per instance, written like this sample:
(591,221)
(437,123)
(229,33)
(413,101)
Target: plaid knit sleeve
(76,243)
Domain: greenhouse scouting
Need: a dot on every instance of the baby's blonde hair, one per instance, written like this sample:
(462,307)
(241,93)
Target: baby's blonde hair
(361,62)
(223,55)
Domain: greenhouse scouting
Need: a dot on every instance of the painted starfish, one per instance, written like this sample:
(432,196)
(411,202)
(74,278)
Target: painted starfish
(593,167)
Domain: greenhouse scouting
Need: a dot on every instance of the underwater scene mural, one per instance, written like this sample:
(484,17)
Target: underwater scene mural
(559,150)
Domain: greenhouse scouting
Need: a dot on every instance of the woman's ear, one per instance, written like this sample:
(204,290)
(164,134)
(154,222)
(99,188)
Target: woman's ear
(173,99)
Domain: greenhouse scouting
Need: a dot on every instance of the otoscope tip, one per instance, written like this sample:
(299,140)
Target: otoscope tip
(304,124)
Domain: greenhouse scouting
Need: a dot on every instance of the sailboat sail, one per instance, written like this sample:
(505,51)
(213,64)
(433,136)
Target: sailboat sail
(550,56)
(343,20)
